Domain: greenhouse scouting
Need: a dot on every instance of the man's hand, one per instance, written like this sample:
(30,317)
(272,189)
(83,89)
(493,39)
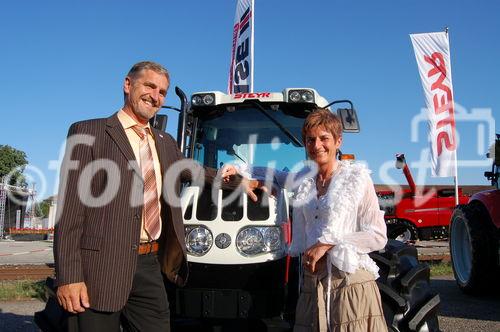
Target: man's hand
(313,254)
(73,297)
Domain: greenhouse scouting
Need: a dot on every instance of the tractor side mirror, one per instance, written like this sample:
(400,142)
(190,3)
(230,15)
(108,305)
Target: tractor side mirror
(159,121)
(494,151)
(349,118)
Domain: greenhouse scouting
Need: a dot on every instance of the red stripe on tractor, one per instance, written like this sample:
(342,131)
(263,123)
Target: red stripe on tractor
(287,234)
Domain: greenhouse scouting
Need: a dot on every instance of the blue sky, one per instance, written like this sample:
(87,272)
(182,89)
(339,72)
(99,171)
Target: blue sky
(65,61)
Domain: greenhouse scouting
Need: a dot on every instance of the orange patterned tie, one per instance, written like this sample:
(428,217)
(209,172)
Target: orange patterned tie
(151,211)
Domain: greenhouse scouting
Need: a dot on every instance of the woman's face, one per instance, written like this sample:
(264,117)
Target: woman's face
(321,145)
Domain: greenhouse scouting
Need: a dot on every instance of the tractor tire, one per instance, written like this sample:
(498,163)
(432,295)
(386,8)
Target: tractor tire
(402,230)
(474,249)
(404,285)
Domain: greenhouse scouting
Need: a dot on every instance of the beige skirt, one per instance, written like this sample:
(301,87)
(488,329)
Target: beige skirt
(355,303)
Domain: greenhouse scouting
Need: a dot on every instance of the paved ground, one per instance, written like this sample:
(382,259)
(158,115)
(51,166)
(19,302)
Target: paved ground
(18,315)
(460,312)
(29,252)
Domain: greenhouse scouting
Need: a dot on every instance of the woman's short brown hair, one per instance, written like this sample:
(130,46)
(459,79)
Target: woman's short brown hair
(321,117)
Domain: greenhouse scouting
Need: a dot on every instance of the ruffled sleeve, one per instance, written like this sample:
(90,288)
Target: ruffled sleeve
(367,235)
(372,229)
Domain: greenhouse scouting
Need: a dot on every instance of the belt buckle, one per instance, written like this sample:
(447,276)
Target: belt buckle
(148,247)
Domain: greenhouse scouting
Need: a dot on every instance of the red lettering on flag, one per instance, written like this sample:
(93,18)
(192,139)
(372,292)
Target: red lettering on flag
(442,103)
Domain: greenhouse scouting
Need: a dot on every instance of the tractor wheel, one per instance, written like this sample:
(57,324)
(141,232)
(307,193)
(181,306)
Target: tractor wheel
(401,230)
(404,285)
(474,249)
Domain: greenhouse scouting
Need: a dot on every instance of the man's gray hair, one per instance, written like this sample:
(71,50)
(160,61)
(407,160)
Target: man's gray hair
(143,65)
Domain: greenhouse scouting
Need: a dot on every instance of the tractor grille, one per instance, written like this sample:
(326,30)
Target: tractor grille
(207,209)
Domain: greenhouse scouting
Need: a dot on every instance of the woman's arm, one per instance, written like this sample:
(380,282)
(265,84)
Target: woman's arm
(373,233)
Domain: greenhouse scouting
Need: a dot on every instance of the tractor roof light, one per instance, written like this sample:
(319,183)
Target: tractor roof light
(196,100)
(203,99)
(208,99)
(301,96)
(307,97)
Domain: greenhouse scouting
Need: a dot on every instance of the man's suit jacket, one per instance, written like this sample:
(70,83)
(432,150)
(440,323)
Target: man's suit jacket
(97,243)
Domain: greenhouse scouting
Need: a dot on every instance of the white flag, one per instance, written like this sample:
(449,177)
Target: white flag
(241,69)
(432,51)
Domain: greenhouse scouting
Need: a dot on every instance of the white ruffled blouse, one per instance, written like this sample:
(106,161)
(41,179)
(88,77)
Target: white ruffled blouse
(348,216)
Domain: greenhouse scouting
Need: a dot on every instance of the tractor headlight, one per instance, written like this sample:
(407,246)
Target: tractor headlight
(252,241)
(203,99)
(199,240)
(301,96)
(196,100)
(307,96)
(208,99)
(294,96)
(272,238)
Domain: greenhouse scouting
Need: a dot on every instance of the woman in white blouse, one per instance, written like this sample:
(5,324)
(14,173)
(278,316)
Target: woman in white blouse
(336,223)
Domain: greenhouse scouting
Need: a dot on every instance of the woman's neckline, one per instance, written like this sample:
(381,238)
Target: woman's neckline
(330,180)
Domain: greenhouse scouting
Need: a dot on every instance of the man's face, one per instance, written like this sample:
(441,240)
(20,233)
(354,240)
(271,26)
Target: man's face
(145,93)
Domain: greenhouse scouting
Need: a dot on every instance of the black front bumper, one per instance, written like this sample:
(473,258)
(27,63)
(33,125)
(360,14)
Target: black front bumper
(235,291)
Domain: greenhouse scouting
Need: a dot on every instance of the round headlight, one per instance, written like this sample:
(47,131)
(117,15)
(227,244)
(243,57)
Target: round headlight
(199,241)
(208,99)
(196,100)
(250,241)
(272,238)
(307,96)
(294,96)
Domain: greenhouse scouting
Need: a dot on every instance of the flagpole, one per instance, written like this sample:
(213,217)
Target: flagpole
(455,178)
(251,47)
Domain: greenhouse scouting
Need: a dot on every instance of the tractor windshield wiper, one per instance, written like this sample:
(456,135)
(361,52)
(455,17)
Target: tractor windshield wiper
(232,152)
(287,132)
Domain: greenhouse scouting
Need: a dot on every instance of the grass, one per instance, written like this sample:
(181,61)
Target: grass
(22,290)
(441,269)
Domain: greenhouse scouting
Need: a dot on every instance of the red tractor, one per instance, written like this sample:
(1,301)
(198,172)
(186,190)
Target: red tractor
(475,235)
(416,213)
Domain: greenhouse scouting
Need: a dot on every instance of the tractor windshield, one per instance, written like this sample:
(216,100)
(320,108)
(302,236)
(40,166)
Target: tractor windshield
(245,135)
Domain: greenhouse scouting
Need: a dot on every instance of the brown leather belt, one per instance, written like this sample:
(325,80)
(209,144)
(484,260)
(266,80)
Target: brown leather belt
(148,248)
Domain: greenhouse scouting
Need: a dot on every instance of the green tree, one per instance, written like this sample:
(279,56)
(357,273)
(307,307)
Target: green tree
(10,159)
(43,207)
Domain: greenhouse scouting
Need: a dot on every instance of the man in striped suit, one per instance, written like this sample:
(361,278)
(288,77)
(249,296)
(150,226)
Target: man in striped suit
(116,228)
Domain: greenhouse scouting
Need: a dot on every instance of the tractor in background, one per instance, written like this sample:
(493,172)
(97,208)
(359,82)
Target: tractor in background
(475,235)
(418,214)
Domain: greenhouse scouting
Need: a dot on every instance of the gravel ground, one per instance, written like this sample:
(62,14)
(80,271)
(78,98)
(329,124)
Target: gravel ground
(458,312)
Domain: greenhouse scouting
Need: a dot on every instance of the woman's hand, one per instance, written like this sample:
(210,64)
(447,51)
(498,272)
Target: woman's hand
(313,254)
(249,185)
